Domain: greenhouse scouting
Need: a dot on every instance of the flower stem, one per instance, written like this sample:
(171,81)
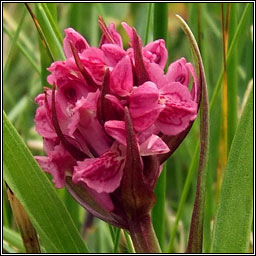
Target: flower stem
(143,235)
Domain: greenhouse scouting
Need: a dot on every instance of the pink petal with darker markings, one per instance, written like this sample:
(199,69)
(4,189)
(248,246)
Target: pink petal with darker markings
(179,109)
(102,174)
(116,129)
(93,61)
(78,41)
(57,163)
(144,106)
(85,121)
(156,52)
(178,72)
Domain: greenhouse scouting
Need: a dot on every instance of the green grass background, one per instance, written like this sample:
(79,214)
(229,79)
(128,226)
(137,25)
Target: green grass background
(24,76)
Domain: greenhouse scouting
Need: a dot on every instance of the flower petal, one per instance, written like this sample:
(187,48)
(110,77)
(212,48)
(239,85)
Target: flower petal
(79,42)
(156,52)
(115,35)
(121,78)
(153,145)
(178,71)
(156,74)
(86,122)
(128,30)
(42,119)
(102,174)
(57,163)
(116,129)
(195,82)
(179,109)
(48,166)
(144,106)
(113,54)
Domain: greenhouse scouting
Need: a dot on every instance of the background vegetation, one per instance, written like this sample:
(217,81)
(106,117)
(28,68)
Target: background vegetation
(24,75)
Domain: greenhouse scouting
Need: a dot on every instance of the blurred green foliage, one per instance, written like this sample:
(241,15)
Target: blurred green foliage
(23,83)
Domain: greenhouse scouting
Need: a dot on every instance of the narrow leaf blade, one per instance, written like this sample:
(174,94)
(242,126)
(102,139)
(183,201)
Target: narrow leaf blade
(196,226)
(28,233)
(234,216)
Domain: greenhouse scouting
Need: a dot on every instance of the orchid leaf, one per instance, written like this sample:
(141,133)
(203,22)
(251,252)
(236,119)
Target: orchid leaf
(233,221)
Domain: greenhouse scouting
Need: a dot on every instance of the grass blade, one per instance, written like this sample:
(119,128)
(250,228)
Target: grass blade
(148,23)
(23,50)
(160,21)
(231,49)
(158,212)
(13,46)
(53,24)
(54,39)
(117,239)
(129,242)
(232,226)
(46,211)
(232,79)
(41,34)
(28,233)
(13,239)
(7,248)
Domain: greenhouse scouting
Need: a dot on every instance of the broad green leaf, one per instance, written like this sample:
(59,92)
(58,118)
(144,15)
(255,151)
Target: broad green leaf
(232,78)
(232,225)
(36,193)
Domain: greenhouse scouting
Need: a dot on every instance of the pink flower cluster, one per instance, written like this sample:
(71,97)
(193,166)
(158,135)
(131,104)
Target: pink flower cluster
(82,118)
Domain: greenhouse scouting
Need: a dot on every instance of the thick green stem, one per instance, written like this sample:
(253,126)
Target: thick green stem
(143,235)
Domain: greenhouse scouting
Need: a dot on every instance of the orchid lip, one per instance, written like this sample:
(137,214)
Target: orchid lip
(76,153)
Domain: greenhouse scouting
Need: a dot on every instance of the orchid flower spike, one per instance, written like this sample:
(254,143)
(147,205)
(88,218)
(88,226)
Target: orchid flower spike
(112,118)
